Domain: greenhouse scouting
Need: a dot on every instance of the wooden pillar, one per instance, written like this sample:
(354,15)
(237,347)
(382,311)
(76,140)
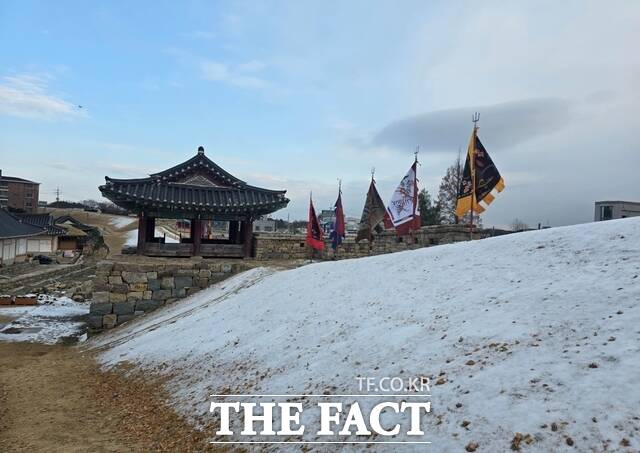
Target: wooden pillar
(151,228)
(234,236)
(142,232)
(197,236)
(246,230)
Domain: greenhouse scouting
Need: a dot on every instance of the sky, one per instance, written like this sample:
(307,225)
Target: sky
(296,95)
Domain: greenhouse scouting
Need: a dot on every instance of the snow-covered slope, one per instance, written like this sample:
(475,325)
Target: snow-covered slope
(526,331)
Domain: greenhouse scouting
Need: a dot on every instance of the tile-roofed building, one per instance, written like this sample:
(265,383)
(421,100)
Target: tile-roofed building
(67,219)
(44,221)
(14,236)
(12,227)
(76,233)
(198,190)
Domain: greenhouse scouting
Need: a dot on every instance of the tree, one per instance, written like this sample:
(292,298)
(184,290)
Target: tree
(282,225)
(429,211)
(66,205)
(518,225)
(448,196)
(110,208)
(90,203)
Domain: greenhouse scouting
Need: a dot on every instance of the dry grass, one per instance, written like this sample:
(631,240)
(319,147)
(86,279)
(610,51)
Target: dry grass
(55,399)
(114,237)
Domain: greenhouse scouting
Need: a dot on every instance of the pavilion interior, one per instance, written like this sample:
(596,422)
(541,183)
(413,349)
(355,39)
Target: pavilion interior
(179,237)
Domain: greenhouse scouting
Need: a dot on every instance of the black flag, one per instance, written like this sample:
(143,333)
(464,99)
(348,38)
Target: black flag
(479,173)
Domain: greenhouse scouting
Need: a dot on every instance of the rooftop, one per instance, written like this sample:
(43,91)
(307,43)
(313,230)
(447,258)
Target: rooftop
(16,179)
(12,227)
(44,221)
(617,202)
(196,188)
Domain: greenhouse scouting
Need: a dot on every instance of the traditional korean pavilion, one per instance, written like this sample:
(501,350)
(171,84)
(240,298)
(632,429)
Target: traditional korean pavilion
(199,191)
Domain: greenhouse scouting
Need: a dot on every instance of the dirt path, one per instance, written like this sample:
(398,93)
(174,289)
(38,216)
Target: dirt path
(53,399)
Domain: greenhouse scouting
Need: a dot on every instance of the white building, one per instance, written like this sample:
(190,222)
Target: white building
(14,237)
(608,210)
(264,226)
(352,224)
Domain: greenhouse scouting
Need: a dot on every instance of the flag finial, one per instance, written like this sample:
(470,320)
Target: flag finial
(475,118)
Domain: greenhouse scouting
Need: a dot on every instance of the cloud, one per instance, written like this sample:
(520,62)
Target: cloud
(252,66)
(234,75)
(110,146)
(508,124)
(212,70)
(65,166)
(114,169)
(298,191)
(27,96)
(126,171)
(241,75)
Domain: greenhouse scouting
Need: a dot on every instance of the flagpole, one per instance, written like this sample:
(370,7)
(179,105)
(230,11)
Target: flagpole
(335,252)
(373,181)
(415,194)
(472,158)
(310,247)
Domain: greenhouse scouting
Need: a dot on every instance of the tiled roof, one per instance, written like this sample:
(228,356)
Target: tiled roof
(44,221)
(11,227)
(72,231)
(75,222)
(197,185)
(199,162)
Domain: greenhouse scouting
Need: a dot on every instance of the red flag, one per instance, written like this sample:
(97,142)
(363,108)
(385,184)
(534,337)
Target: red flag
(386,221)
(314,231)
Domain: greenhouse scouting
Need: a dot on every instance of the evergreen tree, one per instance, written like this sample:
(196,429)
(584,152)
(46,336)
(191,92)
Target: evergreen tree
(429,211)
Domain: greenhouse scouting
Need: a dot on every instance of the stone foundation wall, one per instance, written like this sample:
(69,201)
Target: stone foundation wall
(124,290)
(292,246)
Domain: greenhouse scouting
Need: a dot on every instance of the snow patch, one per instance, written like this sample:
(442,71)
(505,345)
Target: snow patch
(47,322)
(522,331)
(132,237)
(122,222)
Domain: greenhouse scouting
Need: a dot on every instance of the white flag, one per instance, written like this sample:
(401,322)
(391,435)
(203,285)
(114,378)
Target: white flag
(403,207)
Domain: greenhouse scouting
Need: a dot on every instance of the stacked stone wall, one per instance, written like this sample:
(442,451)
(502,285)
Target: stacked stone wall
(269,246)
(123,291)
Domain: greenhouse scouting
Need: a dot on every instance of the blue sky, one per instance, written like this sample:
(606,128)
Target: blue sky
(293,95)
